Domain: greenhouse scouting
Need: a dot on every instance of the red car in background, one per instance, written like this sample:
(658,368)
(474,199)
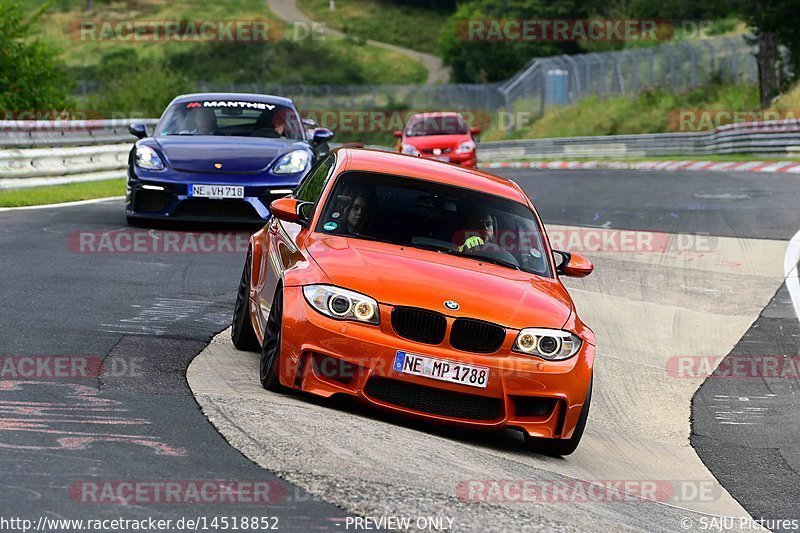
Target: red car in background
(442,136)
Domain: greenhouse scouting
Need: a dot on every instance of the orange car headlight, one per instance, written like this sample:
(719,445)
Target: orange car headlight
(342,304)
(550,344)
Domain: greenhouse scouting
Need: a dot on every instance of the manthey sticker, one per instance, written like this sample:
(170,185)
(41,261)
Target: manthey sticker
(231,104)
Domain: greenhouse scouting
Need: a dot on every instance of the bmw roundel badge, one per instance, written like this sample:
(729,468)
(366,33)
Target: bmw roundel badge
(450,304)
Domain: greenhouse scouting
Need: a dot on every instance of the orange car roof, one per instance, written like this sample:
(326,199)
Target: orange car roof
(364,160)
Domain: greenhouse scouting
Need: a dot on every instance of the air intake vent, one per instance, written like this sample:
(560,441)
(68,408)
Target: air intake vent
(419,325)
(476,336)
(433,401)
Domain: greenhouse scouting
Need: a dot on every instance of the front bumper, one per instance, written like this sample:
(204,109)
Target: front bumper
(324,356)
(165,196)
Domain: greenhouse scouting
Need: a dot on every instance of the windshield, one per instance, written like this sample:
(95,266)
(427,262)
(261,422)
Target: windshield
(436,125)
(437,217)
(232,118)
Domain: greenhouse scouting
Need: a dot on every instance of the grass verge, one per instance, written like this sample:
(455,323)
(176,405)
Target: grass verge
(651,111)
(57,194)
(411,26)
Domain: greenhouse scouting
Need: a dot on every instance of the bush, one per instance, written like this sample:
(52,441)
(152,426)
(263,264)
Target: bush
(481,61)
(31,76)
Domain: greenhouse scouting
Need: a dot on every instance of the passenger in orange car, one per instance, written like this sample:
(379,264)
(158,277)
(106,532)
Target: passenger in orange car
(351,213)
(357,214)
(480,232)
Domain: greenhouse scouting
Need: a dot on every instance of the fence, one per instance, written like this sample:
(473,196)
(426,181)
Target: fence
(557,80)
(772,138)
(560,80)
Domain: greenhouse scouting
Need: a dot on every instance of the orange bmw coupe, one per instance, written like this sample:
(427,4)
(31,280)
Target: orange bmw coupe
(423,288)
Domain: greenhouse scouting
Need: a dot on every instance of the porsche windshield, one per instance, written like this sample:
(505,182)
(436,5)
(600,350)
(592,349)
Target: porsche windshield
(437,217)
(436,125)
(231,118)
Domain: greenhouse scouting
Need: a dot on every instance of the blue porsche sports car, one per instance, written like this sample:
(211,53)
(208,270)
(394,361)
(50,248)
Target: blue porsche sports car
(221,157)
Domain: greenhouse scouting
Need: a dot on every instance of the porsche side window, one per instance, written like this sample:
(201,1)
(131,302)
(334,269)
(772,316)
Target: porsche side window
(311,187)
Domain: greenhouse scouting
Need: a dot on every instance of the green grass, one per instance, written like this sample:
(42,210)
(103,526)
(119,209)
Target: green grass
(653,111)
(281,60)
(411,26)
(57,194)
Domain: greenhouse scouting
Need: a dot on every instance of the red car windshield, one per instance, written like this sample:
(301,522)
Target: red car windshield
(436,125)
(434,216)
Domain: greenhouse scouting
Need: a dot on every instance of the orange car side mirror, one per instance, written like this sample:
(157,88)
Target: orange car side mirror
(573,265)
(398,134)
(287,209)
(475,131)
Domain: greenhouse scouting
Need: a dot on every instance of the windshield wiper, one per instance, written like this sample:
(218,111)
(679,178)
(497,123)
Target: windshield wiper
(435,247)
(450,250)
(492,260)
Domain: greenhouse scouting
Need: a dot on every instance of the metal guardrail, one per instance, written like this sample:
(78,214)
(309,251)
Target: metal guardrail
(34,153)
(775,138)
(57,152)
(99,149)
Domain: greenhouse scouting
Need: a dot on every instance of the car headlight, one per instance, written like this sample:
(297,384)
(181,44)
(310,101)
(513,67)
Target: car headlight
(551,344)
(342,304)
(409,149)
(292,163)
(466,147)
(147,158)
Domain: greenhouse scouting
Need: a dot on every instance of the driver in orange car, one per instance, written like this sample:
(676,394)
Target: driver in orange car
(481,231)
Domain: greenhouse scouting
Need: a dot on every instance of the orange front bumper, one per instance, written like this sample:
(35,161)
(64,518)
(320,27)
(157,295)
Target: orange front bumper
(324,356)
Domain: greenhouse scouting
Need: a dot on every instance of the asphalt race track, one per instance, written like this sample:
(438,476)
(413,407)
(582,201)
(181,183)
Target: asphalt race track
(715,288)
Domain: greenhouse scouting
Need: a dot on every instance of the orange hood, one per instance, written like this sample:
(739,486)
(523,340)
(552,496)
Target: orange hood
(398,275)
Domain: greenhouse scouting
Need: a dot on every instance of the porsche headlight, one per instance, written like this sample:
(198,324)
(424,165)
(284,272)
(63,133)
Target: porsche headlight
(342,304)
(551,344)
(466,147)
(292,163)
(409,149)
(148,159)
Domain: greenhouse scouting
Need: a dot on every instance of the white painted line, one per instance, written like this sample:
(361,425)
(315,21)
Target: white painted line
(790,271)
(63,204)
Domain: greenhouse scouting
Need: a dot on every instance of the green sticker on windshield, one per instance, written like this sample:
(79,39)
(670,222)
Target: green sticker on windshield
(330,226)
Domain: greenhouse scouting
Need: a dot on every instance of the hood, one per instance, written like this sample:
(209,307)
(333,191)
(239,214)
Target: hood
(235,154)
(429,142)
(419,278)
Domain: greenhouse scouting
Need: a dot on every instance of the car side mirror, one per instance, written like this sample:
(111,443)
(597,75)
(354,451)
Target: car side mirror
(322,135)
(476,131)
(398,134)
(573,265)
(290,210)
(137,130)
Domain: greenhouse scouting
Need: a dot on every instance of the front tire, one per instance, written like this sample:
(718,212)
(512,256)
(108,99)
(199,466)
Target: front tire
(270,362)
(561,447)
(242,334)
